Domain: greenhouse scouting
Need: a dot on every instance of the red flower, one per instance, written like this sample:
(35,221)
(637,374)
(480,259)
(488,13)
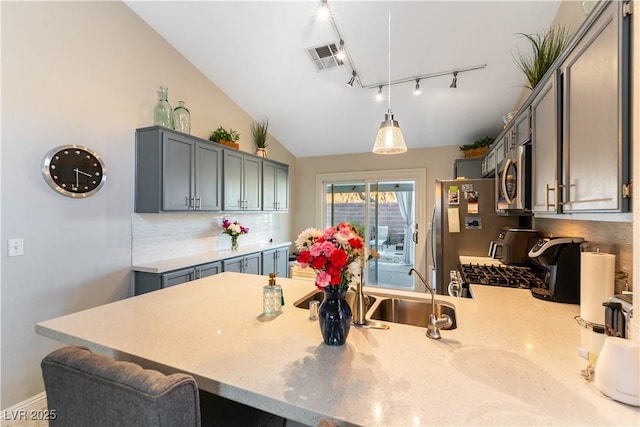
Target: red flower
(339,258)
(336,278)
(319,262)
(304,257)
(355,243)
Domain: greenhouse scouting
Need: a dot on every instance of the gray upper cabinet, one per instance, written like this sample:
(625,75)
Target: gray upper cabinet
(176,172)
(242,182)
(275,186)
(595,140)
(544,143)
(521,131)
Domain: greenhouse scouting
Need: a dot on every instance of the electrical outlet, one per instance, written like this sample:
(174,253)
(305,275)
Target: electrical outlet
(16,247)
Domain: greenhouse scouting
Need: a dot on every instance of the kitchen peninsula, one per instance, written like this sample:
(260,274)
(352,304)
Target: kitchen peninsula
(510,361)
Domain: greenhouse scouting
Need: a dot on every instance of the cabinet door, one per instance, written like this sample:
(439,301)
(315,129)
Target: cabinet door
(269,200)
(282,188)
(233,264)
(232,197)
(177,277)
(592,142)
(282,262)
(269,261)
(252,264)
(177,172)
(252,183)
(208,177)
(544,147)
(207,270)
(522,128)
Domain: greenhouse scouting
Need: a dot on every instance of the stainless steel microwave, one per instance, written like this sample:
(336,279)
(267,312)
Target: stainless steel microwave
(513,182)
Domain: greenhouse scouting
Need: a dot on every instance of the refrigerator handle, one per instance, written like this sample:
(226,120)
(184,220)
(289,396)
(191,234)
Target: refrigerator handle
(415,235)
(431,239)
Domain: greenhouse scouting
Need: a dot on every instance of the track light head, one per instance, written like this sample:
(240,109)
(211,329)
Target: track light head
(341,54)
(323,10)
(379,95)
(352,79)
(417,90)
(454,82)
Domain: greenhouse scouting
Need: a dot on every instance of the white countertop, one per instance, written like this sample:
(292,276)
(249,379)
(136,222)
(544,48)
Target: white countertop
(511,361)
(162,266)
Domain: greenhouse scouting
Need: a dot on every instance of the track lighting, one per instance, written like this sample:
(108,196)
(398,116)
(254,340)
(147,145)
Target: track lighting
(454,82)
(352,79)
(379,95)
(417,90)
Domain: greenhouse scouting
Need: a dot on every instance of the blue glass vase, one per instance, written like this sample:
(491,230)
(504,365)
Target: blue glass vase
(335,316)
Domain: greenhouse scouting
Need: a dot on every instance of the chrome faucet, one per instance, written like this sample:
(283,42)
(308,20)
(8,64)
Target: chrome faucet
(435,323)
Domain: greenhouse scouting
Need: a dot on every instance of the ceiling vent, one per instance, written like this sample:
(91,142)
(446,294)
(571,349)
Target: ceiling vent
(324,56)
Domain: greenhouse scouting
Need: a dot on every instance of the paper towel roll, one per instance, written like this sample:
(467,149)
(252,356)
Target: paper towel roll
(597,279)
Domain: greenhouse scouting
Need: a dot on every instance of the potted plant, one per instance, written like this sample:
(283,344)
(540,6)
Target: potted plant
(259,133)
(545,48)
(477,148)
(225,137)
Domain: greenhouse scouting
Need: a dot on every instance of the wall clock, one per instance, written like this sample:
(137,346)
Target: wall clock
(74,171)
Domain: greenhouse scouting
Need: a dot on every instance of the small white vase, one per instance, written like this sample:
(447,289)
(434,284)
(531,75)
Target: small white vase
(262,152)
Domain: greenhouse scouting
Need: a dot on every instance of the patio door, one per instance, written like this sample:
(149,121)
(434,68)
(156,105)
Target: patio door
(387,213)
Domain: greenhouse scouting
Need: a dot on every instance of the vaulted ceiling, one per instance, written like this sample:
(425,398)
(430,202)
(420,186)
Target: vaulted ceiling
(255,51)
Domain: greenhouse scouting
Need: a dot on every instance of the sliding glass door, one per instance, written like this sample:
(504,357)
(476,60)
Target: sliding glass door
(384,212)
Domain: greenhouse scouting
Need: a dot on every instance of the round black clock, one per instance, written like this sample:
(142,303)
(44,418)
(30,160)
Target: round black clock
(74,171)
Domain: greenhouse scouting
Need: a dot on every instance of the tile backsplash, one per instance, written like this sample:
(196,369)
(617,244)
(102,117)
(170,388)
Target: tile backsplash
(157,237)
(609,237)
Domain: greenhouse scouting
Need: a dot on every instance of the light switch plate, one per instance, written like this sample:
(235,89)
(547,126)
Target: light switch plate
(16,247)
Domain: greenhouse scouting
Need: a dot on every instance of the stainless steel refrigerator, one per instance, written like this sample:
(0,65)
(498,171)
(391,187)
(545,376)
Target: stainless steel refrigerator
(464,222)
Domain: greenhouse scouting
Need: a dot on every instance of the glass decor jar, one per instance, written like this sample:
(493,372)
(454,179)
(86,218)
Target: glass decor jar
(162,112)
(182,118)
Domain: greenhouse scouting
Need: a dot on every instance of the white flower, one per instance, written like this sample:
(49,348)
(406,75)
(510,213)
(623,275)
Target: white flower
(305,237)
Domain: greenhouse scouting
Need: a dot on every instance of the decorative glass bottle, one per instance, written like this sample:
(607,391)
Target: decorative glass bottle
(182,118)
(162,112)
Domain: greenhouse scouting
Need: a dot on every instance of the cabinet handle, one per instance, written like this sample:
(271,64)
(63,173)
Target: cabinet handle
(198,203)
(186,202)
(546,197)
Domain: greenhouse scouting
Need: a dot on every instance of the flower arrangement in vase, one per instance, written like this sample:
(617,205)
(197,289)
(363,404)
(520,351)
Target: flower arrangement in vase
(233,229)
(338,255)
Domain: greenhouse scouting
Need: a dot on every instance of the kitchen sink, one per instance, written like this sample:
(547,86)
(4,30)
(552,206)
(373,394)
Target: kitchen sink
(318,295)
(411,312)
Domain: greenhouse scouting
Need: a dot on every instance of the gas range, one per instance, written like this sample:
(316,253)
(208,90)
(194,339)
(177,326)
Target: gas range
(501,275)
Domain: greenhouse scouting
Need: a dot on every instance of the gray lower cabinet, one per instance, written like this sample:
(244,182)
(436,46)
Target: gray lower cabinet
(176,172)
(596,140)
(544,147)
(242,182)
(275,186)
(276,261)
(250,264)
(147,282)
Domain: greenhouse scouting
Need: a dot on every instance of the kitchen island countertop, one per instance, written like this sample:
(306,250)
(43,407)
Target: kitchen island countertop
(511,361)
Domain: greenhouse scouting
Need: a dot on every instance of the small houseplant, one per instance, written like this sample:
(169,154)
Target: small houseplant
(477,148)
(545,48)
(225,137)
(259,133)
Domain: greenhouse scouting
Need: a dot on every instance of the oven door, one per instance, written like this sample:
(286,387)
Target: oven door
(512,182)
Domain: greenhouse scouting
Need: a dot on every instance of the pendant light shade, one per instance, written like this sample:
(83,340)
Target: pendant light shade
(389,139)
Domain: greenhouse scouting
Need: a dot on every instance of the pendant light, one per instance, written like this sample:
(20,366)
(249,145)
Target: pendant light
(389,139)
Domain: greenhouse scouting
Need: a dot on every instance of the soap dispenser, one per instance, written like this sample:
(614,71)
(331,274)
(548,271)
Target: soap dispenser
(272,297)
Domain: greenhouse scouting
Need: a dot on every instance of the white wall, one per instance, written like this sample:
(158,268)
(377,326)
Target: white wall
(84,73)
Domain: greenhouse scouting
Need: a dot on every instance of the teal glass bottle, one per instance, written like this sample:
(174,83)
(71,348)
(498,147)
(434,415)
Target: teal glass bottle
(162,112)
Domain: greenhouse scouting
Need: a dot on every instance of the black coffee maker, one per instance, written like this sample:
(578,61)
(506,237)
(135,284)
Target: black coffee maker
(560,258)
